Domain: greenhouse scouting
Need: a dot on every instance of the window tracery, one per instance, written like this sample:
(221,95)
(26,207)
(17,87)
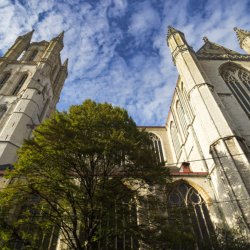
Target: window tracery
(185,196)
(157,146)
(182,118)
(238,81)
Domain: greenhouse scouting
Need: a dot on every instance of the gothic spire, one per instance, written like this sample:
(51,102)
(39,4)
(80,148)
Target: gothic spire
(59,37)
(27,36)
(241,34)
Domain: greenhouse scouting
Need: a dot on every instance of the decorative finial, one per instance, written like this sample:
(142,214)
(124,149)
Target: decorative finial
(205,39)
(65,64)
(171,31)
(241,35)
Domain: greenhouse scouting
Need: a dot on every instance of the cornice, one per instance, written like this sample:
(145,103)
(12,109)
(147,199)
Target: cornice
(233,57)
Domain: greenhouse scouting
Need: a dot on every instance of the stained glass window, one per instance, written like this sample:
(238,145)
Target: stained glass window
(197,216)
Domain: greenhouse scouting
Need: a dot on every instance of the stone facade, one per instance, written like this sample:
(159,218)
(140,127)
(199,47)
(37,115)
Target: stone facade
(208,126)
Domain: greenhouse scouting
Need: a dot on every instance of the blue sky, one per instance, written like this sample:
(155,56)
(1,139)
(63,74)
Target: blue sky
(117,48)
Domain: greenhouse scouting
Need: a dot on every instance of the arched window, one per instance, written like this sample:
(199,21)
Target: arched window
(189,203)
(175,139)
(182,118)
(4,79)
(157,147)
(3,109)
(238,80)
(20,84)
(32,55)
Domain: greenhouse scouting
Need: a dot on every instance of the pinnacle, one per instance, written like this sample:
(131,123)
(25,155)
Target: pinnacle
(28,35)
(171,31)
(65,64)
(59,37)
(241,34)
(205,39)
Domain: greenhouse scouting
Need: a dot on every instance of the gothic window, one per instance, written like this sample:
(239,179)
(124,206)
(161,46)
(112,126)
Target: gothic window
(156,143)
(192,209)
(3,109)
(238,80)
(175,139)
(182,118)
(32,55)
(4,79)
(20,84)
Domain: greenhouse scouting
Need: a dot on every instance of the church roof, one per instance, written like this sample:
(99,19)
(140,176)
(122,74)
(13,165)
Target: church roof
(212,50)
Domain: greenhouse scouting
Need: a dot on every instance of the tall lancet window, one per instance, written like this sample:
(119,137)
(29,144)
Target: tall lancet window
(182,118)
(156,142)
(4,79)
(175,139)
(32,55)
(188,207)
(238,80)
(20,84)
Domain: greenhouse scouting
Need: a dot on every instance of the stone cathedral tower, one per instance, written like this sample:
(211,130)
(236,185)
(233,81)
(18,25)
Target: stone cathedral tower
(31,79)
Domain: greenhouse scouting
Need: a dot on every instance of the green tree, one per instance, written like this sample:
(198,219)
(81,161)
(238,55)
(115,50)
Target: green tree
(75,178)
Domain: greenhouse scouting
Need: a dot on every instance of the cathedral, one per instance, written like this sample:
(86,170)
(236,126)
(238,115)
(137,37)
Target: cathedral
(206,140)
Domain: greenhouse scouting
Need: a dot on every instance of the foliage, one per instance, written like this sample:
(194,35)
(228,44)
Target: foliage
(226,239)
(71,180)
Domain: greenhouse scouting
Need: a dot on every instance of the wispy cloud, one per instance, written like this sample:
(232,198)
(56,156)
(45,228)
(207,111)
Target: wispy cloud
(117,49)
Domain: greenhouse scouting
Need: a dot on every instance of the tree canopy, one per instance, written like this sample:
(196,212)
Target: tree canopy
(77,178)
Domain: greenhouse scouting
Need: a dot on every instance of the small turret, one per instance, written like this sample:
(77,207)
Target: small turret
(172,31)
(26,36)
(176,42)
(65,64)
(243,38)
(59,39)
(20,45)
(54,47)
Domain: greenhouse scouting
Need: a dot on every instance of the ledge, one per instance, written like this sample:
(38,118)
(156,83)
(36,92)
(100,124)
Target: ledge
(189,174)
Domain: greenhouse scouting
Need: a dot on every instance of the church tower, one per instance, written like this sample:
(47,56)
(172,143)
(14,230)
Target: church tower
(31,79)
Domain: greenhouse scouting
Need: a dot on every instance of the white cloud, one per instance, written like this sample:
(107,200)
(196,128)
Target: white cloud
(144,20)
(142,81)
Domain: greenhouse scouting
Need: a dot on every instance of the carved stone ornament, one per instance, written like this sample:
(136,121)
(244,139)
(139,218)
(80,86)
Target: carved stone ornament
(214,51)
